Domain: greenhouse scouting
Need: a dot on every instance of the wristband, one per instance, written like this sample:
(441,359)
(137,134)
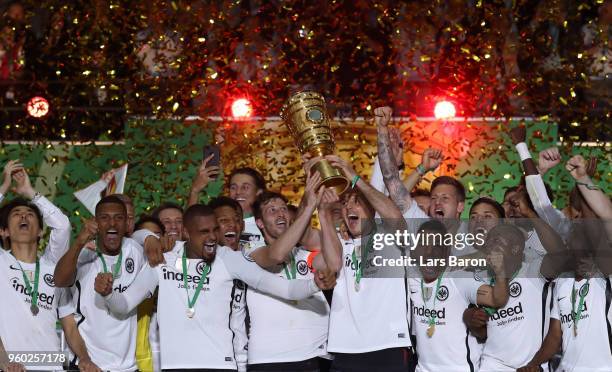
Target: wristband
(354,181)
(588,185)
(421,169)
(523,151)
(36,196)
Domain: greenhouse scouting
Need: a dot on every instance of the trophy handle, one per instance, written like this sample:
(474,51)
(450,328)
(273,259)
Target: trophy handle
(331,177)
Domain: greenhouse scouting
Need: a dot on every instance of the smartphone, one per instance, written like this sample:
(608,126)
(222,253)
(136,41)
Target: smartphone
(215,151)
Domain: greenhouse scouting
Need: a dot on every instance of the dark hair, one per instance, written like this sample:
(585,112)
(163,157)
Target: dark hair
(197,210)
(515,189)
(446,180)
(145,218)
(259,180)
(509,190)
(19,202)
(164,206)
(224,201)
(420,192)
(111,199)
(511,232)
(124,198)
(3,217)
(360,198)
(263,199)
(433,225)
(485,200)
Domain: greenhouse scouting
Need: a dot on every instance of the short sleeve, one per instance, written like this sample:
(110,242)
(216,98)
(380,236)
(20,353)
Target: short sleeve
(554,313)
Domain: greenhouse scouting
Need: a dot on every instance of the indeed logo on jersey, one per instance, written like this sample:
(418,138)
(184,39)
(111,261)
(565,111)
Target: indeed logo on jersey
(428,313)
(568,318)
(509,314)
(43,299)
(348,262)
(172,275)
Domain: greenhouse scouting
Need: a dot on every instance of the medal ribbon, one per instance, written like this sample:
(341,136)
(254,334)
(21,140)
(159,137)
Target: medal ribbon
(34,291)
(116,266)
(191,302)
(576,313)
(364,255)
(293,273)
(432,319)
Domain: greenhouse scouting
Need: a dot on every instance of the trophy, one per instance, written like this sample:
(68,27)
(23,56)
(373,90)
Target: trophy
(305,116)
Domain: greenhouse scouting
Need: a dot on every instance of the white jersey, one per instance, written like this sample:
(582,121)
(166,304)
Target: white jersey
(591,349)
(205,340)
(373,318)
(287,331)
(452,347)
(20,330)
(110,340)
(516,331)
(252,234)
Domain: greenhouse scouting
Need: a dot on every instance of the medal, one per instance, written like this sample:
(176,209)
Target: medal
(431,329)
(116,267)
(32,287)
(192,301)
(357,285)
(190,312)
(426,293)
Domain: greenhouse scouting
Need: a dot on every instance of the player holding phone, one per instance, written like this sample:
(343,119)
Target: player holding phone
(207,172)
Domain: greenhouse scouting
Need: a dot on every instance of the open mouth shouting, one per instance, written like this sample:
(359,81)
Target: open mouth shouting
(230,238)
(438,213)
(281,221)
(24,226)
(112,236)
(210,247)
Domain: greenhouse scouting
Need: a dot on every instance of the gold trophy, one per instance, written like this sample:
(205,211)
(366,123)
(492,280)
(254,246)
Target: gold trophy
(305,116)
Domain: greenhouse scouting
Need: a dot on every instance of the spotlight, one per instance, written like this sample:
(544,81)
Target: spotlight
(444,110)
(37,107)
(241,108)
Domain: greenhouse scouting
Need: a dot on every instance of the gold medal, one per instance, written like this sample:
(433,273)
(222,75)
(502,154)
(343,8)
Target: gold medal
(431,329)
(190,312)
(34,309)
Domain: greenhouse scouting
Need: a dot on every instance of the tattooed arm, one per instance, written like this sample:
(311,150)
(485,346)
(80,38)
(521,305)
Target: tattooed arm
(388,165)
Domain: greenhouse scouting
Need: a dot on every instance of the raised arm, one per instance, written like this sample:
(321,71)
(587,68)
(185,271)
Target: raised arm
(331,249)
(388,164)
(495,296)
(202,178)
(256,277)
(594,196)
(277,252)
(534,182)
(11,167)
(66,268)
(53,217)
(141,288)
(384,206)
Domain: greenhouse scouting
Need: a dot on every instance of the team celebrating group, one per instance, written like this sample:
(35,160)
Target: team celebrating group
(246,283)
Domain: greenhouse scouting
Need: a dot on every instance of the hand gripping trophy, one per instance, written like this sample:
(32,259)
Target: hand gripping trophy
(305,116)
